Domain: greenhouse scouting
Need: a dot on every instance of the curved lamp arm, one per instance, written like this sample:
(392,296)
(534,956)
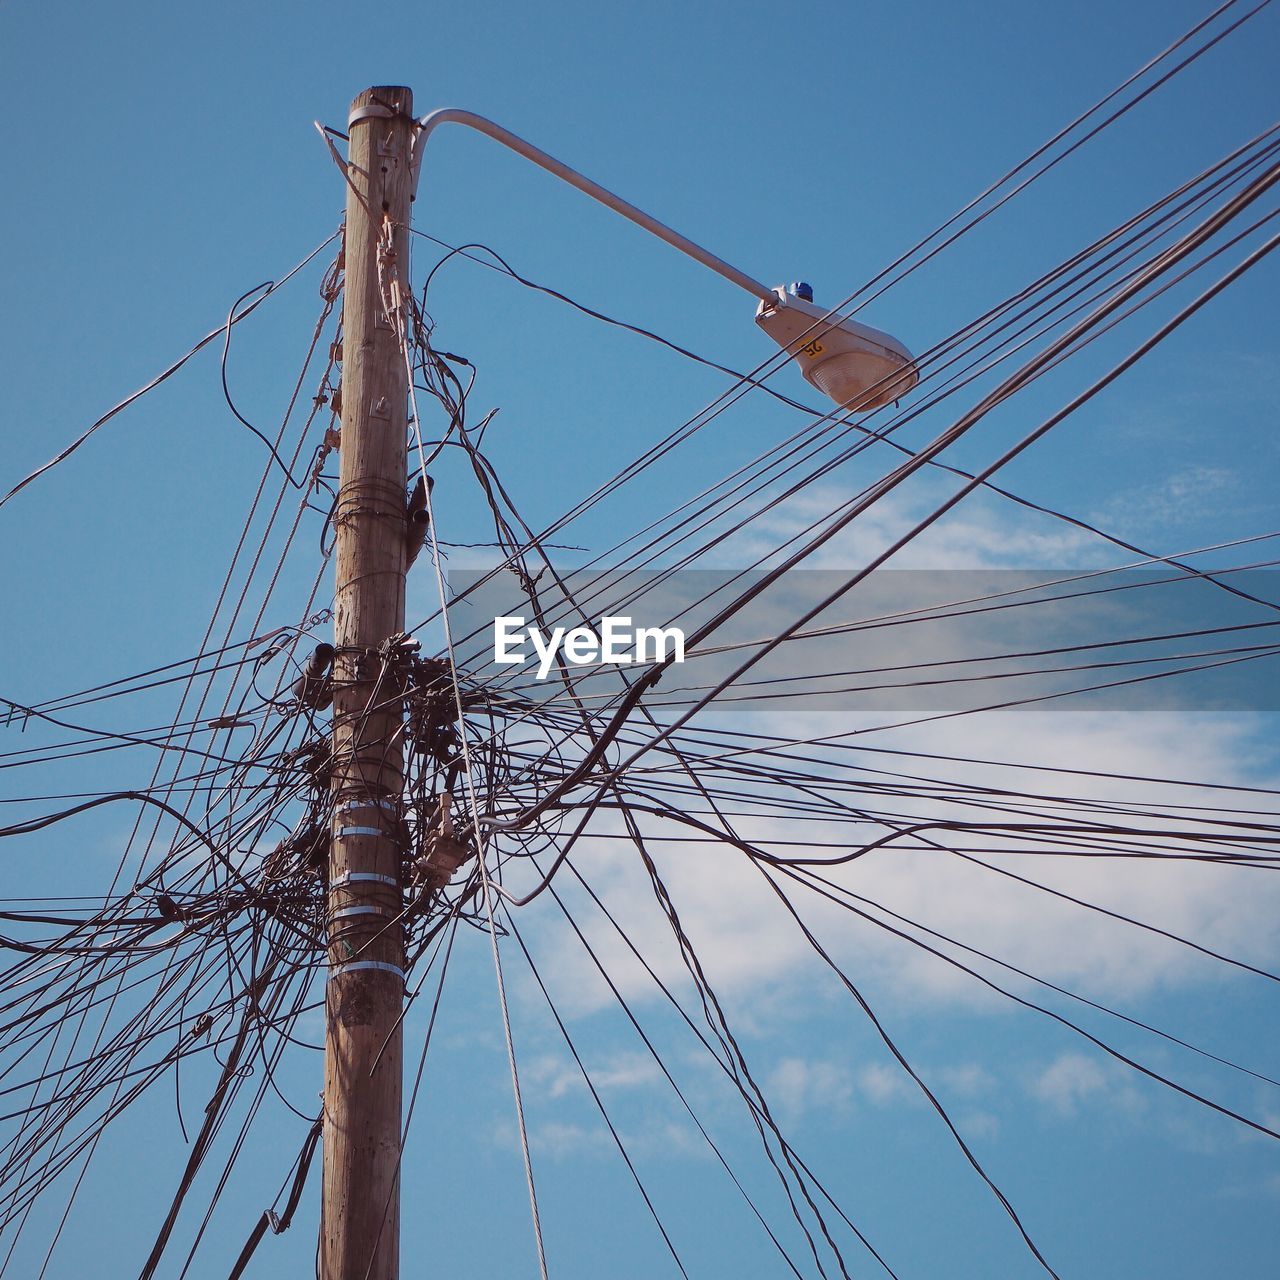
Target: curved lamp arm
(454,115)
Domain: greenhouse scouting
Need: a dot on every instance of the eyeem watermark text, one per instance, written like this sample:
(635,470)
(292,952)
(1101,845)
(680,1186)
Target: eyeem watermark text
(617,643)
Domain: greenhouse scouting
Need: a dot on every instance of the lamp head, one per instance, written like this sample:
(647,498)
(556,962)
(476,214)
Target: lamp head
(855,365)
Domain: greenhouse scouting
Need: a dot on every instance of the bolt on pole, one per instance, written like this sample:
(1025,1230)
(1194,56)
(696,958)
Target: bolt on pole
(360,1215)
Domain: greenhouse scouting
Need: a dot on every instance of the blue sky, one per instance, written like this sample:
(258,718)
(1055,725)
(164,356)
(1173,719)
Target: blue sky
(162,161)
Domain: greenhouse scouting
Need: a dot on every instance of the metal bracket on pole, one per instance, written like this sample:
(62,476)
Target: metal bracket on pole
(374,111)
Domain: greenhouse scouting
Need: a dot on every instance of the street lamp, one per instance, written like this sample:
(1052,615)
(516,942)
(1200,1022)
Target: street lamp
(857,366)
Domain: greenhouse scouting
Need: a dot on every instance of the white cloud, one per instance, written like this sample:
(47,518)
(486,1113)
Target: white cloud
(799,1086)
(1069,1080)
(1074,1082)
(882,1084)
(554,1077)
(965,1079)
(560,1138)
(978,1125)
(759,960)
(1265,1188)
(977,535)
(1194,493)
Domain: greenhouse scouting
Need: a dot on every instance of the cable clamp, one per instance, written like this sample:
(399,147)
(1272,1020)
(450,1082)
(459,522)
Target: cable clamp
(358,911)
(377,802)
(343,832)
(356,966)
(364,877)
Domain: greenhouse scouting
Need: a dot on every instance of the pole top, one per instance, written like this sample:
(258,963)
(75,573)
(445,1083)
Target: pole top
(381,102)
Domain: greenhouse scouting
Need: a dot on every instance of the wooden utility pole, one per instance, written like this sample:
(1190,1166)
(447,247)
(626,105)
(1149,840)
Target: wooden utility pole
(360,1216)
